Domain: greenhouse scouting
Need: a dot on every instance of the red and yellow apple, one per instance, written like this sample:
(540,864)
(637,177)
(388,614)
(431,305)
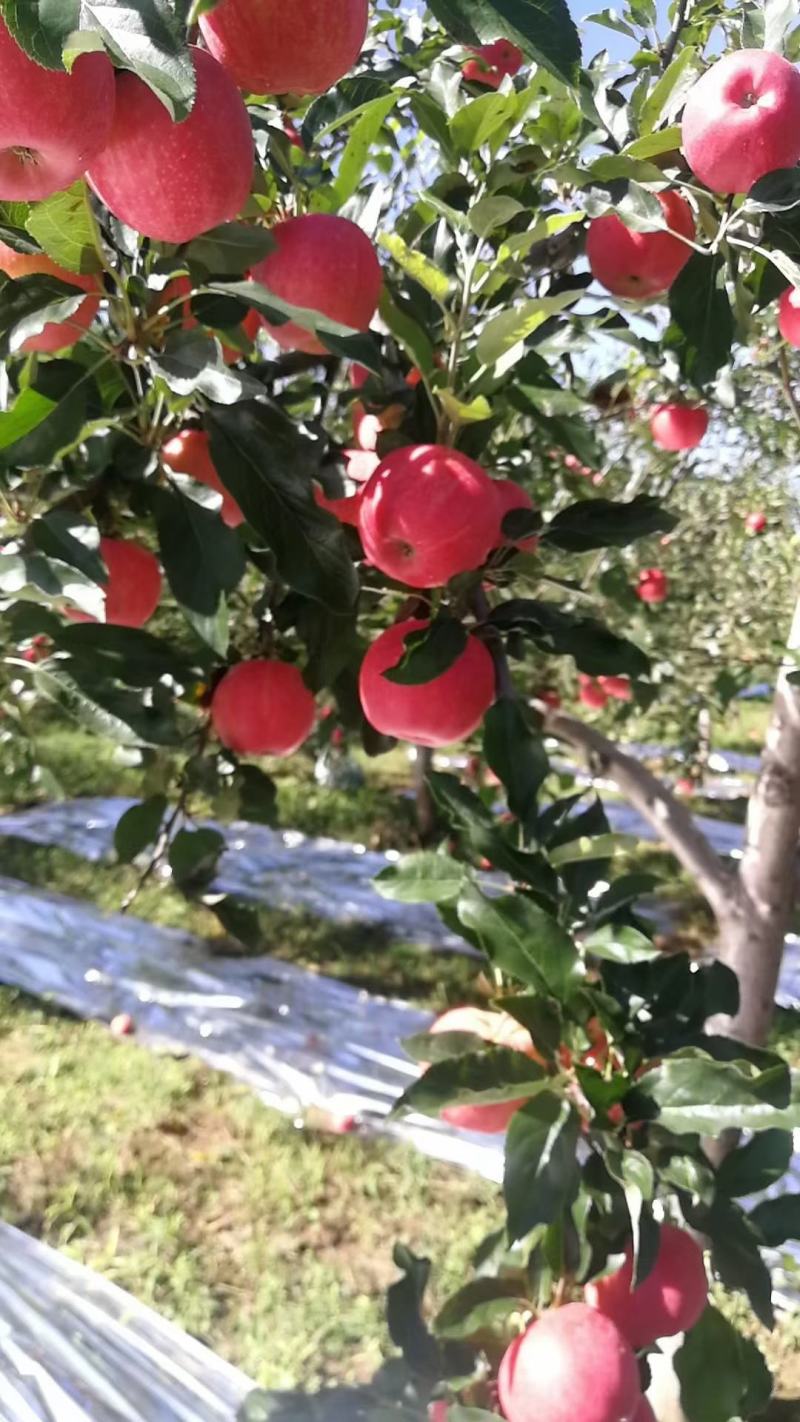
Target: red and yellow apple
(433,713)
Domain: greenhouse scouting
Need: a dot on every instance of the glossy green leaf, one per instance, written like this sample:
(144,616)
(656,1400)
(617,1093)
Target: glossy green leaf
(138,827)
(423,878)
(541,1164)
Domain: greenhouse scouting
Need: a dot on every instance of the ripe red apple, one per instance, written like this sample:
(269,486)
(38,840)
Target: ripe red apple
(56,335)
(678,426)
(347,509)
(428,513)
(755,523)
(789,315)
(502,1031)
(653,585)
(52,124)
(263,708)
(685,786)
(564,1368)
(618,687)
(493,62)
(189,453)
(510,495)
(671,1298)
(644,1412)
(437,1411)
(322,263)
(549,697)
(742,120)
(590,693)
(640,264)
(122,1025)
(273,48)
(172,181)
(437,712)
(133,589)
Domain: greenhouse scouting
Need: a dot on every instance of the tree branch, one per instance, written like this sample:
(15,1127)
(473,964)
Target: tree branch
(668,817)
(668,50)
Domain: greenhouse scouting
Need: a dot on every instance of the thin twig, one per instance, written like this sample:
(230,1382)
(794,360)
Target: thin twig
(668,51)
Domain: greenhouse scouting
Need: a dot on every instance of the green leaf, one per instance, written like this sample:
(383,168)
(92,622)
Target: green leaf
(429,652)
(30,303)
(603,523)
(722,1375)
(267,464)
(358,149)
(619,943)
(423,878)
(415,341)
(416,265)
(480,120)
(202,559)
(491,212)
(516,754)
(191,363)
(541,1176)
(522,939)
(701,312)
(65,228)
(778,191)
(666,97)
(277,311)
(736,1256)
(138,827)
(502,333)
(194,855)
(432,1047)
(127,654)
(47,416)
(231,249)
(694,1094)
(596,649)
(258,795)
(543,29)
(777,1220)
(480,1304)
(407,1328)
(65,535)
(757,1165)
(110,712)
(651,145)
(474,1079)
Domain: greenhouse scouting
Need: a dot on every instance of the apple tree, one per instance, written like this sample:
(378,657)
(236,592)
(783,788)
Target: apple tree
(313,331)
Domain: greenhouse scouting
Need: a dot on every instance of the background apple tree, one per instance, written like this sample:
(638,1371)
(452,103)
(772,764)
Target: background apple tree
(180,412)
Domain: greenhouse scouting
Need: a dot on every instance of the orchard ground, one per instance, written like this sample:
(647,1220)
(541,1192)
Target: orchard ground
(177,1184)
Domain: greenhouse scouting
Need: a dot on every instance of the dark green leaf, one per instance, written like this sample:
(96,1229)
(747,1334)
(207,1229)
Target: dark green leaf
(47,416)
(480,1304)
(777,1220)
(541,1166)
(474,1079)
(521,939)
(65,535)
(595,648)
(722,1375)
(432,1047)
(139,827)
(202,559)
(192,363)
(516,754)
(423,878)
(701,312)
(777,191)
(28,304)
(127,654)
(240,919)
(619,943)
(695,1094)
(193,856)
(601,523)
(258,795)
(230,250)
(267,464)
(755,1166)
(429,652)
(407,1328)
(543,29)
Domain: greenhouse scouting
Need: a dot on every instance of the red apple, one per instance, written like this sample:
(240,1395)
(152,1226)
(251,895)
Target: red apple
(510,495)
(273,48)
(501,1030)
(549,697)
(789,315)
(122,1025)
(678,426)
(189,453)
(644,1412)
(685,786)
(493,62)
(133,589)
(618,687)
(742,120)
(263,708)
(437,712)
(428,513)
(640,264)
(670,1300)
(52,124)
(565,1368)
(322,263)
(437,1411)
(755,523)
(56,335)
(653,585)
(590,693)
(179,290)
(172,181)
(346,509)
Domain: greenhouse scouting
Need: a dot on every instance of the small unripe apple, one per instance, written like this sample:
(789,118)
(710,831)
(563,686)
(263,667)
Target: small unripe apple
(189,453)
(653,585)
(640,264)
(428,513)
(742,120)
(493,62)
(434,713)
(564,1368)
(591,693)
(618,687)
(789,315)
(676,426)
(172,181)
(263,707)
(273,48)
(133,589)
(510,495)
(56,335)
(501,1030)
(322,263)
(52,124)
(668,1301)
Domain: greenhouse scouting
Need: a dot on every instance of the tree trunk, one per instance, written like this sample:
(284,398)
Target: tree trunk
(753,937)
(426,806)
